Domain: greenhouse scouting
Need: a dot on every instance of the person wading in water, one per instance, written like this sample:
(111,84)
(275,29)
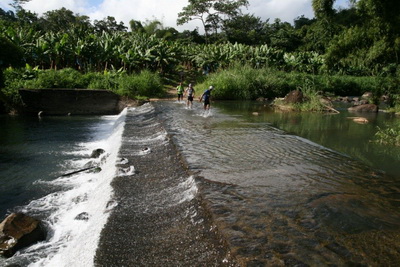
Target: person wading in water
(206,97)
(190,95)
(179,90)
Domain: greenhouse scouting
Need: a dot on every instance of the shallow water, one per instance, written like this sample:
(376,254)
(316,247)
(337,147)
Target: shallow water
(282,199)
(282,188)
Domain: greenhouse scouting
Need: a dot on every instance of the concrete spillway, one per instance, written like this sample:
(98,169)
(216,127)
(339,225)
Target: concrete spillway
(158,218)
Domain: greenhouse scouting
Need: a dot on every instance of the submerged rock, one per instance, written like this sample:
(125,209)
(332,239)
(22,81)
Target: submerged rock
(97,152)
(360,120)
(18,231)
(84,216)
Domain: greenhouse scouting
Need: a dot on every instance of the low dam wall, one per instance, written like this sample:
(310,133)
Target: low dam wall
(71,102)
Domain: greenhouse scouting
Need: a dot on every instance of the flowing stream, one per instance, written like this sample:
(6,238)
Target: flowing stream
(184,187)
(281,199)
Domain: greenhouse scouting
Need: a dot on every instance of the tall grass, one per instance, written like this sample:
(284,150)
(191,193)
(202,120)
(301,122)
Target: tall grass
(146,84)
(312,98)
(388,135)
(246,83)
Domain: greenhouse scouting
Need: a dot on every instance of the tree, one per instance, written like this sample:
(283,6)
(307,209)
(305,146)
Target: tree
(301,21)
(246,29)
(283,36)
(371,44)
(109,25)
(17,4)
(192,37)
(211,13)
(323,8)
(152,26)
(63,20)
(136,26)
(7,15)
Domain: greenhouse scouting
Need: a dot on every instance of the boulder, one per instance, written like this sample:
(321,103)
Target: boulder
(367,96)
(325,101)
(97,152)
(346,99)
(18,231)
(365,108)
(294,97)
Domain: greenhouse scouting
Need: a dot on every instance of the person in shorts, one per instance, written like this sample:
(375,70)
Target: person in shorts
(206,98)
(190,95)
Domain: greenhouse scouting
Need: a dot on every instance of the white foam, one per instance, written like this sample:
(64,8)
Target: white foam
(76,215)
(188,190)
(126,171)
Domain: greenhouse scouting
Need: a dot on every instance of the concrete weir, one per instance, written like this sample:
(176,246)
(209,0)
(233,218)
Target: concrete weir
(70,102)
(158,217)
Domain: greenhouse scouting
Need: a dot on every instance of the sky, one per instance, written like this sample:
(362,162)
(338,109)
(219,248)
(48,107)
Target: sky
(167,11)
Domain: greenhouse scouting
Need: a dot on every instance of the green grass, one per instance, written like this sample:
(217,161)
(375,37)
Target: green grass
(388,136)
(246,83)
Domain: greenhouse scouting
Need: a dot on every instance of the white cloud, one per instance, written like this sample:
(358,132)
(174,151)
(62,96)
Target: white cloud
(42,6)
(142,10)
(286,10)
(5,4)
(166,10)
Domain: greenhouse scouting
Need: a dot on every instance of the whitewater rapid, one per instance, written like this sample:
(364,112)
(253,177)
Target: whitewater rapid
(74,214)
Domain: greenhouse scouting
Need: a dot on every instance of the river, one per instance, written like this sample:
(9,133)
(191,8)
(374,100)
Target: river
(282,189)
(287,188)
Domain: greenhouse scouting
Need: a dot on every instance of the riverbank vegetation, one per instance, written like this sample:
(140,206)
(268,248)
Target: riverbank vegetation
(388,135)
(340,52)
(140,85)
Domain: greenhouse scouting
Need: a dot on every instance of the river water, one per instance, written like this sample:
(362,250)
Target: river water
(35,153)
(282,189)
(292,189)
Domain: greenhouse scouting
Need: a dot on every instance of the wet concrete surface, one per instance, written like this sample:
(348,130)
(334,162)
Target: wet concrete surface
(157,218)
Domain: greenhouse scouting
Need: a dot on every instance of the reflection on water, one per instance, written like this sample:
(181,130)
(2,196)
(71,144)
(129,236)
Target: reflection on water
(336,131)
(292,189)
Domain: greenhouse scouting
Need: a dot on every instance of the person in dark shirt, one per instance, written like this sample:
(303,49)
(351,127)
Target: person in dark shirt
(206,98)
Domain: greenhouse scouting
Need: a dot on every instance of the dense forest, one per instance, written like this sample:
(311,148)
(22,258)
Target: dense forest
(360,41)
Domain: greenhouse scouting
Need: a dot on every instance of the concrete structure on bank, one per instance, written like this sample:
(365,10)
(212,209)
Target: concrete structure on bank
(72,102)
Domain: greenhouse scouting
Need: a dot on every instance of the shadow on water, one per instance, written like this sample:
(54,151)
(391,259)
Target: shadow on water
(293,189)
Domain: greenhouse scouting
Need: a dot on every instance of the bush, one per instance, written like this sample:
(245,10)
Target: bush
(102,81)
(388,136)
(247,83)
(144,84)
(13,80)
(65,78)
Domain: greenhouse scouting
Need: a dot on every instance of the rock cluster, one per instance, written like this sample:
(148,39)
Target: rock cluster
(18,231)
